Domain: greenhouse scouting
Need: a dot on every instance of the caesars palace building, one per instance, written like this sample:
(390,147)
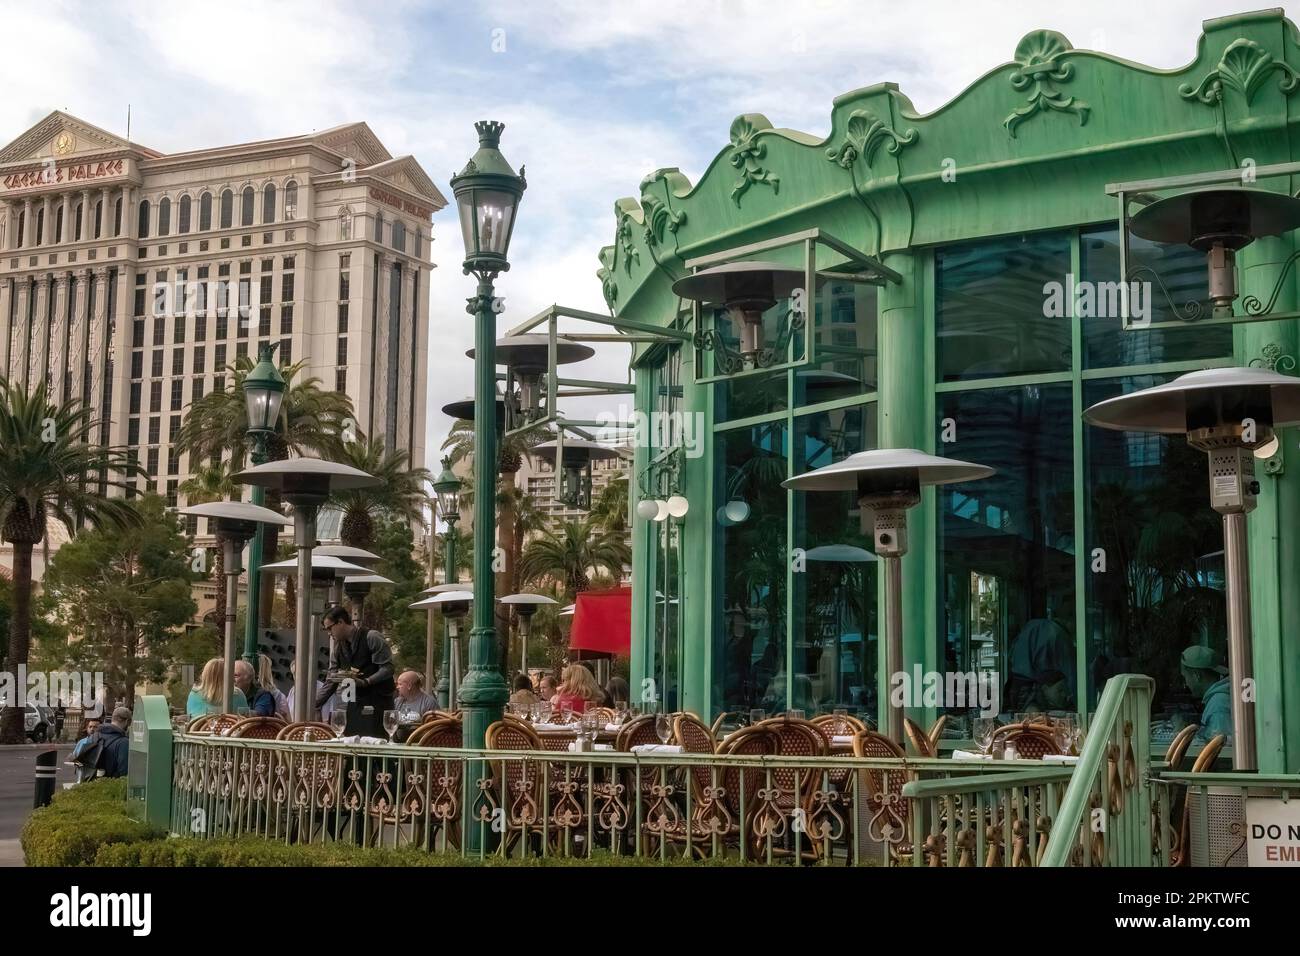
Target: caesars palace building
(131,279)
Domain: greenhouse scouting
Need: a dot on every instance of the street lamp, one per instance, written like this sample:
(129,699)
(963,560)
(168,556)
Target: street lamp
(888,482)
(263,395)
(454,601)
(237,522)
(525,606)
(487,194)
(446,491)
(306,484)
(1227,413)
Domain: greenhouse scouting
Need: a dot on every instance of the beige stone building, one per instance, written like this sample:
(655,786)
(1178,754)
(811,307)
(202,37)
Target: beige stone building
(130,278)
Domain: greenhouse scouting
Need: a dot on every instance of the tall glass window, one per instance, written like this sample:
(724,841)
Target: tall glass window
(268,203)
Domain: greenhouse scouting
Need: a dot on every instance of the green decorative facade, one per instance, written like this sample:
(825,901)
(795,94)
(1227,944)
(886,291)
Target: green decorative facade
(1090,553)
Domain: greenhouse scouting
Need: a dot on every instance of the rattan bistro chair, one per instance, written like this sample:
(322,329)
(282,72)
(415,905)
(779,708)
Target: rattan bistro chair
(1033,742)
(918,738)
(257,728)
(1178,747)
(885,803)
(199,725)
(219,725)
(1181,854)
(935,733)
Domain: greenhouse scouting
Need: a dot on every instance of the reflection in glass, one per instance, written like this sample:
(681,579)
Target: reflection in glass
(991,312)
(1181,269)
(750,560)
(845,352)
(834,598)
(1006,545)
(664,568)
(1163,588)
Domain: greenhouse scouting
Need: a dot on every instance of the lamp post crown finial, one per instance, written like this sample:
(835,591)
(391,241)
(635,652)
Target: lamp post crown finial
(489,133)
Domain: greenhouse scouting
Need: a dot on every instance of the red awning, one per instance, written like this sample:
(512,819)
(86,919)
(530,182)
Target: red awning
(602,621)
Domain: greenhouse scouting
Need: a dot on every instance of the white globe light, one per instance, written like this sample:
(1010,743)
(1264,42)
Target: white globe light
(647,509)
(737,510)
(1268,449)
(661,510)
(678,506)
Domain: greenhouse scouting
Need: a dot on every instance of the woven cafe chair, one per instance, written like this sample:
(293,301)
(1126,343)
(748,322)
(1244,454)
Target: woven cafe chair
(884,789)
(443,777)
(935,733)
(199,725)
(1033,742)
(257,728)
(711,817)
(917,737)
(1178,747)
(795,737)
(826,723)
(606,714)
(516,785)
(1181,855)
(221,724)
(1000,735)
(740,786)
(306,730)
(721,719)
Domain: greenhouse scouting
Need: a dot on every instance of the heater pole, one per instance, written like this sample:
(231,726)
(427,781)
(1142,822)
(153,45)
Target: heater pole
(1236,560)
(304,692)
(893,568)
(232,550)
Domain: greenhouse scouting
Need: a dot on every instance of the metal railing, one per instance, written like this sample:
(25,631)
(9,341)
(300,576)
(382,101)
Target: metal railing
(767,809)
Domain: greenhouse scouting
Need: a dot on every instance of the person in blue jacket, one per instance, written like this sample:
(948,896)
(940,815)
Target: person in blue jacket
(1207,679)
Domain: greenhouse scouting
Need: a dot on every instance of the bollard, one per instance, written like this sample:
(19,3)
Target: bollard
(46,771)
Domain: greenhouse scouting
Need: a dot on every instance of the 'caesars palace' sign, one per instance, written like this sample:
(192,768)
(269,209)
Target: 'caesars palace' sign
(70,173)
(397,202)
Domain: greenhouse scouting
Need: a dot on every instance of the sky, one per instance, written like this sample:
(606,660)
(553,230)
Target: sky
(593,95)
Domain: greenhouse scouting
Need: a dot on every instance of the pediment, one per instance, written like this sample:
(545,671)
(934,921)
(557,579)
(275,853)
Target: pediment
(63,136)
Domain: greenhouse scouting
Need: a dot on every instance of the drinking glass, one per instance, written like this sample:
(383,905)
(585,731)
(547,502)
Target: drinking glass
(544,711)
(566,714)
(796,715)
(620,712)
(390,724)
(982,730)
(664,728)
(339,720)
(840,724)
(1066,731)
(535,713)
(756,716)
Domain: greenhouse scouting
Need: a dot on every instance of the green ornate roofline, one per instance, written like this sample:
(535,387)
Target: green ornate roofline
(1029,145)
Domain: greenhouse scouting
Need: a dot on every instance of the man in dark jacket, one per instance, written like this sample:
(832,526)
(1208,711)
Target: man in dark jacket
(116,746)
(361,670)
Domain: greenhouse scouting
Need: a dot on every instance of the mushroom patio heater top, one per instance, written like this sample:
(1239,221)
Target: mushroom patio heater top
(236,523)
(306,484)
(888,481)
(527,358)
(347,553)
(573,468)
(1218,222)
(1227,413)
(525,606)
(746,290)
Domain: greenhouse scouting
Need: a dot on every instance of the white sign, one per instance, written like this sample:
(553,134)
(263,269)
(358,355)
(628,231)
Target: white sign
(1272,831)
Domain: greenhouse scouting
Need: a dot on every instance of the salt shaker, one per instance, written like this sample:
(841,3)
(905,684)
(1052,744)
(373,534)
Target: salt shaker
(1011,753)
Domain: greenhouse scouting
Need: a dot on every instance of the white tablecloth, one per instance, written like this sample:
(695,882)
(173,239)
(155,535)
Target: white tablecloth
(573,747)
(657,749)
(970,755)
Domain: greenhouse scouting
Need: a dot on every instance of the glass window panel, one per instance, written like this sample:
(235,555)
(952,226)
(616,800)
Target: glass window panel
(1148,508)
(750,560)
(834,599)
(755,394)
(1180,269)
(990,307)
(1006,545)
(845,333)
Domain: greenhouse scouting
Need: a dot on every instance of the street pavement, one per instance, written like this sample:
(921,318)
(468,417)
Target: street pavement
(17,786)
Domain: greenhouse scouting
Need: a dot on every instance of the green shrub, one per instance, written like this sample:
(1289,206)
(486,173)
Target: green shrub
(88,826)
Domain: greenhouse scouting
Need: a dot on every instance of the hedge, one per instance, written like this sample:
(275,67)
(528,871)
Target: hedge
(88,826)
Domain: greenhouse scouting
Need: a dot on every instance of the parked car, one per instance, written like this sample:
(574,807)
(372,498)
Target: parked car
(38,723)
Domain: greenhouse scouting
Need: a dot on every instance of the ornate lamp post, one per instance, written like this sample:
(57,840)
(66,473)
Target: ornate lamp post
(888,482)
(236,522)
(446,490)
(487,193)
(263,394)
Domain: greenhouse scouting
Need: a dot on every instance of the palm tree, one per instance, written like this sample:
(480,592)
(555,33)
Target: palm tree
(610,508)
(401,494)
(213,483)
(311,420)
(46,458)
(569,555)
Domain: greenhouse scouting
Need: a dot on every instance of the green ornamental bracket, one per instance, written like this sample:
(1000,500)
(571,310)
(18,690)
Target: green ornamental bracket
(864,134)
(1244,67)
(746,153)
(1038,55)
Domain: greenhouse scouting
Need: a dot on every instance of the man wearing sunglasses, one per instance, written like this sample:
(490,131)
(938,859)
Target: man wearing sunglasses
(361,671)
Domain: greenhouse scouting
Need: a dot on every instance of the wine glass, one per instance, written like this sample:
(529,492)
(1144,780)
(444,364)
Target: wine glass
(566,714)
(544,712)
(620,712)
(982,730)
(390,724)
(756,715)
(663,727)
(840,724)
(796,715)
(339,720)
(1066,731)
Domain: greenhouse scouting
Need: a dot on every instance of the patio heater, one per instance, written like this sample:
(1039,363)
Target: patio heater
(454,601)
(357,586)
(525,605)
(236,524)
(356,555)
(527,359)
(1227,413)
(746,290)
(888,482)
(306,484)
(1218,222)
(573,460)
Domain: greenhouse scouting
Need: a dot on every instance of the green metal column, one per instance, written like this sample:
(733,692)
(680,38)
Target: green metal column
(693,609)
(643,604)
(444,676)
(251,622)
(1273,526)
(901,423)
(484,693)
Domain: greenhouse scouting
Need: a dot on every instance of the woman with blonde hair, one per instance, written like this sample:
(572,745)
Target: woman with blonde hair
(578,689)
(205,696)
(266,680)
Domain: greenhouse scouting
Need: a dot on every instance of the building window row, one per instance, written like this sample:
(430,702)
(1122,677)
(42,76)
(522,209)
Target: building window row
(158,217)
